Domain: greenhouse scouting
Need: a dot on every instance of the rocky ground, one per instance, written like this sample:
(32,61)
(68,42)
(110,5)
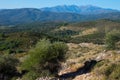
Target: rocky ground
(80,53)
(81,61)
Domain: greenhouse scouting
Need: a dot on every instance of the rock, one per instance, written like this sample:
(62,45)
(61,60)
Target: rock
(44,78)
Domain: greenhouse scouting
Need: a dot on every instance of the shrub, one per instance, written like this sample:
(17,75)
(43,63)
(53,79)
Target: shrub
(8,44)
(113,72)
(97,38)
(111,38)
(37,55)
(7,66)
(45,57)
(109,71)
(30,76)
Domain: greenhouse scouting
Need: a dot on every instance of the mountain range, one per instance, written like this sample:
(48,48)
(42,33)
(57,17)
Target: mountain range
(70,13)
(89,9)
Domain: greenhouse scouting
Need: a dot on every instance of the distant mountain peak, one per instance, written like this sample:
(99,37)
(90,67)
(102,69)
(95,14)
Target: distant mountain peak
(89,6)
(67,13)
(85,9)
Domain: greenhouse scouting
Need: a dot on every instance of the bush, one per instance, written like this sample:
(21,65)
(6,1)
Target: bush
(8,44)
(45,57)
(7,66)
(111,38)
(113,72)
(97,38)
(110,71)
(30,76)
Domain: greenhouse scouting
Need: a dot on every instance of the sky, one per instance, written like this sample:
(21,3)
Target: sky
(10,4)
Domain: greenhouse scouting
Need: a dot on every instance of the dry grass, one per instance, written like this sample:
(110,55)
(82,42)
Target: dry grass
(79,53)
(83,51)
(86,32)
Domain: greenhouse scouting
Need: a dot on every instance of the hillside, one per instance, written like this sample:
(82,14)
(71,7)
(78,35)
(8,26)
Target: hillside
(61,50)
(81,56)
(88,58)
(29,15)
(93,31)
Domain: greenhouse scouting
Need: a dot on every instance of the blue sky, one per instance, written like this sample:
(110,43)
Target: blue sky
(8,4)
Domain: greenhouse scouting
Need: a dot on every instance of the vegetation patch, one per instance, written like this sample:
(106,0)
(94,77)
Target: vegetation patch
(45,57)
(112,38)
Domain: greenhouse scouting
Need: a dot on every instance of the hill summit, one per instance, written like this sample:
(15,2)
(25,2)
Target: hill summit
(88,9)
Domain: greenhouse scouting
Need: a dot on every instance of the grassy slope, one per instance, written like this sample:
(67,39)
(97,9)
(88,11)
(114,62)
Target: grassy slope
(92,32)
(26,35)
